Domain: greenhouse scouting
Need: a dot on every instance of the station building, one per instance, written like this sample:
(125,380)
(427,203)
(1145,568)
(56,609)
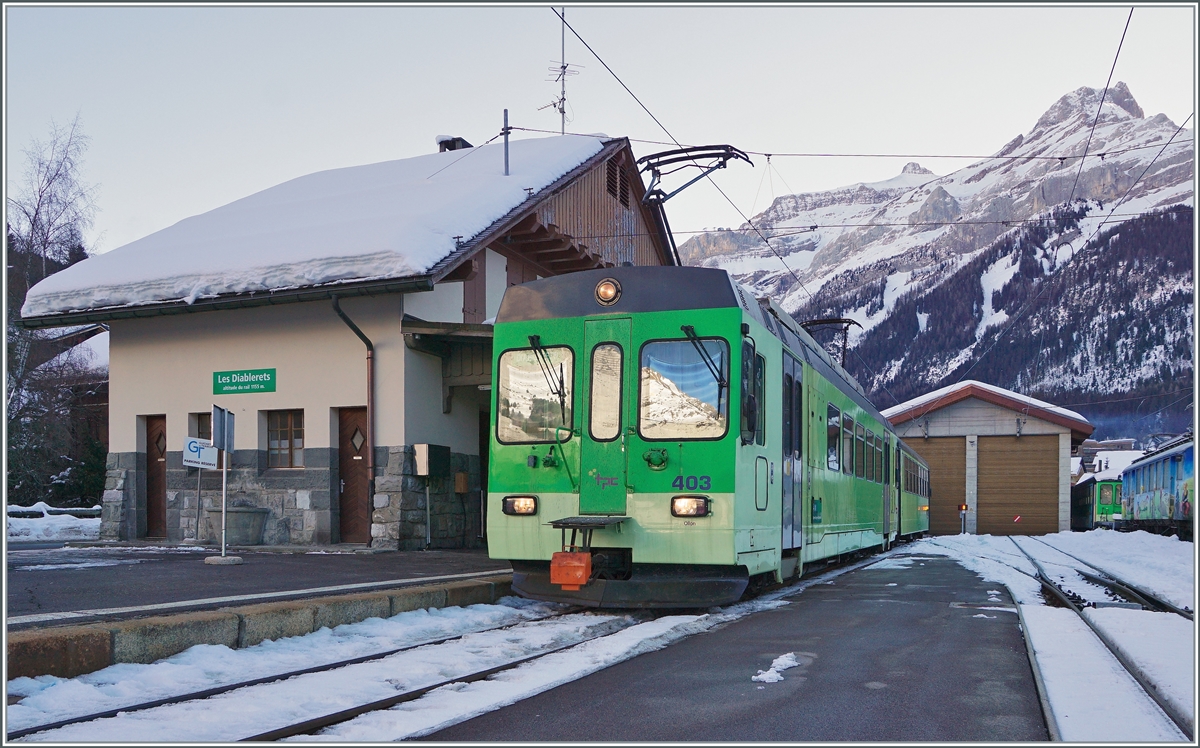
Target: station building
(343,318)
(1006,456)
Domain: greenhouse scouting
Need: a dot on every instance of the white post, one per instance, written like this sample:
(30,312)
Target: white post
(224,473)
(196,532)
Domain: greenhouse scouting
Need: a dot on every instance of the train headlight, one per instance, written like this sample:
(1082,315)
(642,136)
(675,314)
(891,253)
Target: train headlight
(520,505)
(691,506)
(608,291)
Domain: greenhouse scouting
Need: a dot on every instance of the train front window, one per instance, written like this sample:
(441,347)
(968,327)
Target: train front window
(534,401)
(605,422)
(679,396)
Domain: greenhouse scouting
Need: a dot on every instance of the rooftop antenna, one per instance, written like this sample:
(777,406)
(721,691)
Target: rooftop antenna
(561,73)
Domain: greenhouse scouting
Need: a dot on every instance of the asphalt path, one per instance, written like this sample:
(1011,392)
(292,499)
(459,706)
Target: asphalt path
(41,581)
(886,654)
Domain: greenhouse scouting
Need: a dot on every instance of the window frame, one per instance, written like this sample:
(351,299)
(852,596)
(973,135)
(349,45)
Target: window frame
(570,400)
(728,395)
(869,449)
(291,439)
(834,413)
(860,451)
(620,392)
(847,444)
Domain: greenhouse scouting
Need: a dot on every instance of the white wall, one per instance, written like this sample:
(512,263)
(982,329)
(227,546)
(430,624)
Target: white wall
(165,365)
(497,281)
(443,304)
(424,421)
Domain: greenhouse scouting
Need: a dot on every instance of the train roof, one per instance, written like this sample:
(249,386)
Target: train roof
(1178,445)
(665,289)
(1112,463)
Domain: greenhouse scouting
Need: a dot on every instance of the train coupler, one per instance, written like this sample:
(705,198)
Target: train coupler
(570,569)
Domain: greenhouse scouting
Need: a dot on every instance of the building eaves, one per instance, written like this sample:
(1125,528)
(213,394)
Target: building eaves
(1080,429)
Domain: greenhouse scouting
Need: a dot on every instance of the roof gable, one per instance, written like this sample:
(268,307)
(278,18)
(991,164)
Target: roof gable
(921,406)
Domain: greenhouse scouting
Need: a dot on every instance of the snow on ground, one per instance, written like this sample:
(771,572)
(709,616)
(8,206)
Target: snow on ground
(1073,665)
(385,220)
(1164,566)
(1153,641)
(51,526)
(1085,683)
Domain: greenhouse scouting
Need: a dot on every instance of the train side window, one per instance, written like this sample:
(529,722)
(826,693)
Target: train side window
(870,455)
(760,391)
(887,458)
(880,473)
(787,416)
(833,430)
(847,444)
(798,417)
(860,466)
(748,405)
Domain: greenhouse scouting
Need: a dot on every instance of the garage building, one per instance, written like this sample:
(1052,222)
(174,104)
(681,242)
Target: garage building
(1005,455)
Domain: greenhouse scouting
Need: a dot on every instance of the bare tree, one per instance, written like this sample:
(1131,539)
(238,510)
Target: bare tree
(47,380)
(52,206)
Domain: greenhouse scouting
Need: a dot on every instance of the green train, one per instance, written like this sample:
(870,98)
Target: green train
(663,439)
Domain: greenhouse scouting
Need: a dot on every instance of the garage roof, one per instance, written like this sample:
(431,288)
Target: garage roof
(920,406)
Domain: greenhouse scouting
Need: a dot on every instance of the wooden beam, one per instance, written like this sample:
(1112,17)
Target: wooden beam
(538,247)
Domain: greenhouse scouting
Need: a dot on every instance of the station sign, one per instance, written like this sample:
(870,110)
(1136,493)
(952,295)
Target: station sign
(199,453)
(241,381)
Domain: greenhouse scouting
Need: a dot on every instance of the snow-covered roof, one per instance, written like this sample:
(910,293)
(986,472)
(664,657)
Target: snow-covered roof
(377,221)
(1108,465)
(940,398)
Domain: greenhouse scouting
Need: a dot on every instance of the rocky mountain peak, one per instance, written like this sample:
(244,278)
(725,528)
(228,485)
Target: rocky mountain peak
(912,167)
(1083,102)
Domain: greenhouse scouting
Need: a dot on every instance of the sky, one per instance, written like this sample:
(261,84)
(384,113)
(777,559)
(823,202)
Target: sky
(191,107)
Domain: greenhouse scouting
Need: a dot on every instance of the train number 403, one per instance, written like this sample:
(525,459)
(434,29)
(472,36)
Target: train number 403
(692,483)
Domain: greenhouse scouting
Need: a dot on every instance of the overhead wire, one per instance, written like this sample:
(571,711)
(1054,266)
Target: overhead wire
(1100,109)
(1062,159)
(1028,305)
(469,151)
(1000,157)
(1131,186)
(679,145)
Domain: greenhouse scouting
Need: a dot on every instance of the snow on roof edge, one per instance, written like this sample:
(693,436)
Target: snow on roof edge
(932,397)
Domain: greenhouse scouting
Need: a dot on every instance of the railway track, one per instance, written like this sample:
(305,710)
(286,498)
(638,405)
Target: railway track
(226,688)
(1078,589)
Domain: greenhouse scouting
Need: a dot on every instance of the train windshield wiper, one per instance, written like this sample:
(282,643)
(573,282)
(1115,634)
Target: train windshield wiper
(690,332)
(547,367)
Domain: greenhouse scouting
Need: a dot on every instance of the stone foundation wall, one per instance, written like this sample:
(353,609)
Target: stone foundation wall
(398,516)
(302,502)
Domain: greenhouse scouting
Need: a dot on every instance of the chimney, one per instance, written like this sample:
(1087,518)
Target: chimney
(451,143)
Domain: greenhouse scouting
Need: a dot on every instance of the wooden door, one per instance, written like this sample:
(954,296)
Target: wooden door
(156,476)
(1018,485)
(947,459)
(354,511)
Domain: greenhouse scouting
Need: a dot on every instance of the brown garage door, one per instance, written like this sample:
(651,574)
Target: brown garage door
(1018,485)
(947,458)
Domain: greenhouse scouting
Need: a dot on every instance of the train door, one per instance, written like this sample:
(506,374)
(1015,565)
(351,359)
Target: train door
(793,463)
(602,460)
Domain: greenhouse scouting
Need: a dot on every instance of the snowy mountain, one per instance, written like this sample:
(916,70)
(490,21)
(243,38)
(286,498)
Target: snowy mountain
(985,270)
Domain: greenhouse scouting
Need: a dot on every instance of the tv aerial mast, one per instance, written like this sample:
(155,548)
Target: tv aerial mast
(562,71)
